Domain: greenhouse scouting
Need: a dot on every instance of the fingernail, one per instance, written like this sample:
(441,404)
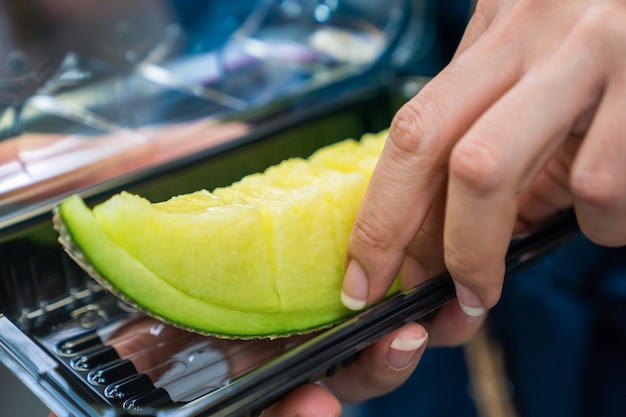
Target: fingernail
(355,287)
(469,302)
(403,350)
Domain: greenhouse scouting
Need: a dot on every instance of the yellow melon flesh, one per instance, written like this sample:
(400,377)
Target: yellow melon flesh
(262,257)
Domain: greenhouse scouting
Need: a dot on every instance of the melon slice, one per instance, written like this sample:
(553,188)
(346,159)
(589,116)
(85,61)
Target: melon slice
(264,257)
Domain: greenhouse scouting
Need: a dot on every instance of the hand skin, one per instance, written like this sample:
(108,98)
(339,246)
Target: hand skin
(379,369)
(526,120)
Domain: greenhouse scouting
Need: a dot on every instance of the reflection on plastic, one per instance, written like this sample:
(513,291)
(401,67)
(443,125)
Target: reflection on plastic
(144,354)
(149,94)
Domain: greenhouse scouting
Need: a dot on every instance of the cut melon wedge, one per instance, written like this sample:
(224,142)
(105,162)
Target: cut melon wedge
(264,257)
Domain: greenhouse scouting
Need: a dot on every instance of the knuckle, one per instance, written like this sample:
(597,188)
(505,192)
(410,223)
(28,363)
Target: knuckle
(597,189)
(370,234)
(600,16)
(597,29)
(461,263)
(477,166)
(413,129)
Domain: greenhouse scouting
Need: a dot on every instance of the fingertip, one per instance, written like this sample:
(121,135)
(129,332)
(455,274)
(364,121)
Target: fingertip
(451,326)
(308,400)
(471,311)
(352,303)
(405,350)
(408,344)
(381,368)
(355,289)
(469,301)
(411,331)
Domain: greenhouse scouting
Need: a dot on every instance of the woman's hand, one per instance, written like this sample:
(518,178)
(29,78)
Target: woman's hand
(378,369)
(526,120)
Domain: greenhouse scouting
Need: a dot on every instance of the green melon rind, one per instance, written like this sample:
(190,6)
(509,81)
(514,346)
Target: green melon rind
(90,246)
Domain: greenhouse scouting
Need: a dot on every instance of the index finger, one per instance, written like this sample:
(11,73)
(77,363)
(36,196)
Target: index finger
(413,166)
(308,400)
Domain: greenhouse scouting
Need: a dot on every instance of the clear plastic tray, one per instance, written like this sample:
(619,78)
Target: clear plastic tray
(90,354)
